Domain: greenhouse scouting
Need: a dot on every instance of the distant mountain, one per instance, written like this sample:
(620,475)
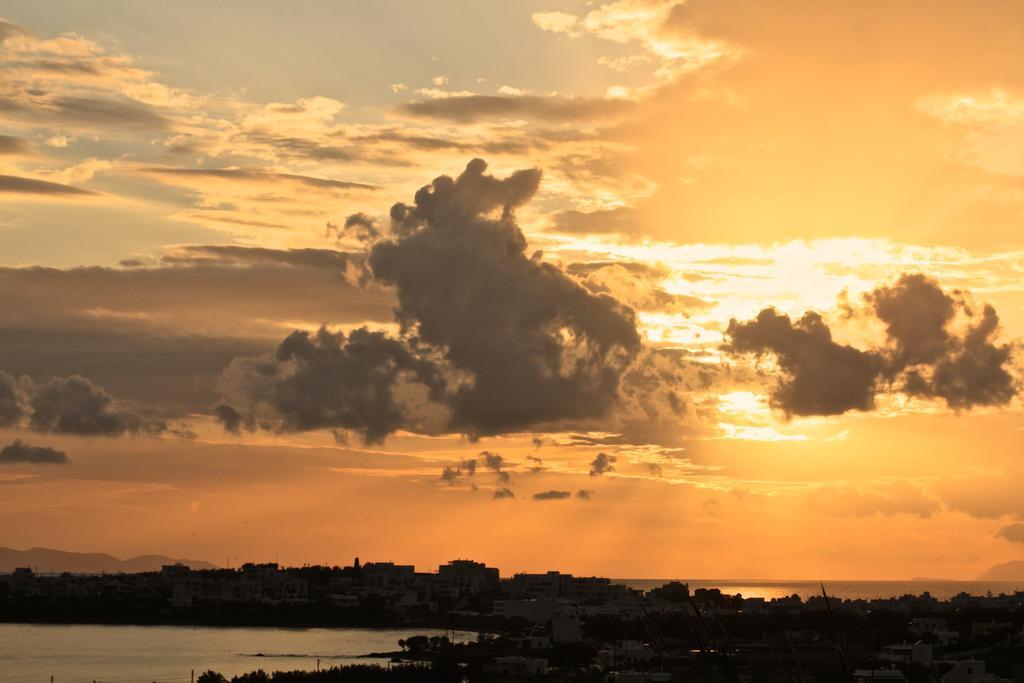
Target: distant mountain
(49,560)
(1007,571)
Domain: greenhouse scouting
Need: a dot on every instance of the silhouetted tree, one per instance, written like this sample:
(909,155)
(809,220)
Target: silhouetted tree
(417,643)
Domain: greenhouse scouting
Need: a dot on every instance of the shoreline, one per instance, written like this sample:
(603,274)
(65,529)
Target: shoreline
(186,624)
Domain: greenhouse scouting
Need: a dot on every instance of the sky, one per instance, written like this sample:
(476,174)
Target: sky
(639,288)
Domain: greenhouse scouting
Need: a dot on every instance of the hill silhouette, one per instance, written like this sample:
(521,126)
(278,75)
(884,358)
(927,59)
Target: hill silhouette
(1005,571)
(50,560)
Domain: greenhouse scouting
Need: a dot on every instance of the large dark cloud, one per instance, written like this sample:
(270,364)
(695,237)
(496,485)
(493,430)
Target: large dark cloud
(964,370)
(18,185)
(823,377)
(925,354)
(327,380)
(21,453)
(469,108)
(517,341)
(539,347)
(74,405)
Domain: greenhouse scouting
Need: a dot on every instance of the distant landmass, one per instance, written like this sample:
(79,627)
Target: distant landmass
(1006,571)
(49,560)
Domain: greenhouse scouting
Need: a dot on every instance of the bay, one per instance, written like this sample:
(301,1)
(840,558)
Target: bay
(168,654)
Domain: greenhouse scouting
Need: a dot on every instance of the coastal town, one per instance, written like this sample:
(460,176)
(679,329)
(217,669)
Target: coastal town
(554,626)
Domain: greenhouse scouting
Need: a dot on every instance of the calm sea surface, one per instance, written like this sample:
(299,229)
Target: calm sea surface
(850,590)
(118,654)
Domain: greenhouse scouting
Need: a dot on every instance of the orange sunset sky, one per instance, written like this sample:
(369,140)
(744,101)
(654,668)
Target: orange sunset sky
(641,288)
